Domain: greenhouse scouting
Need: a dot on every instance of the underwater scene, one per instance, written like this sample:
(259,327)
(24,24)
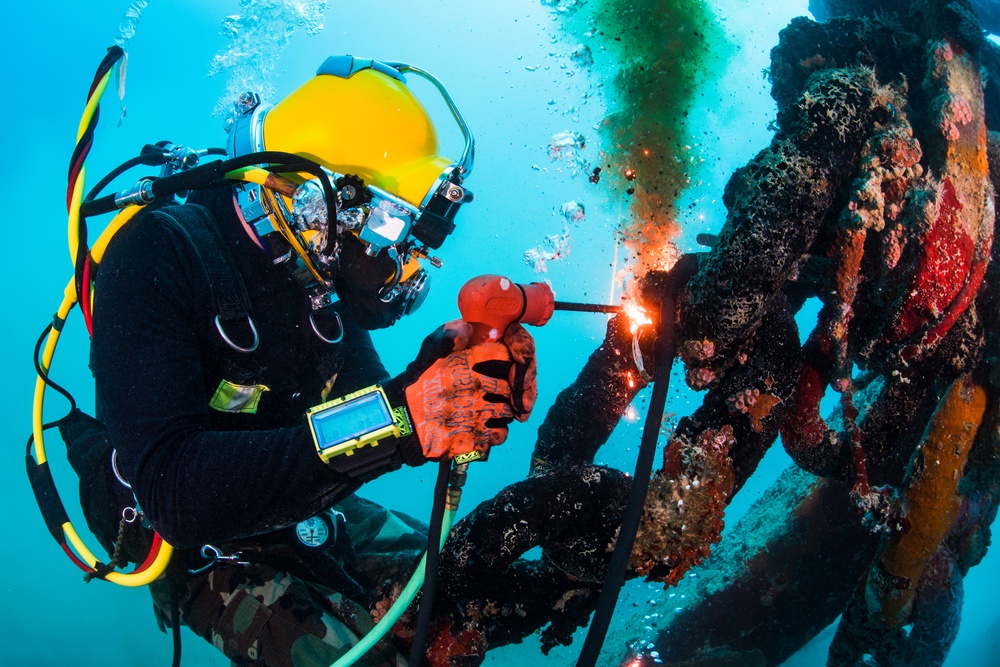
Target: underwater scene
(759,237)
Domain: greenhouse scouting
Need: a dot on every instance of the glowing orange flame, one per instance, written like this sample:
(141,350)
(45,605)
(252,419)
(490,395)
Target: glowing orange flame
(637,316)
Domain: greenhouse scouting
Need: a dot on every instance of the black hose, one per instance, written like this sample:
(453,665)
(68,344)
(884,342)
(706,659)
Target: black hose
(665,351)
(44,375)
(113,174)
(196,178)
(152,155)
(82,257)
(82,148)
(175,624)
(202,176)
(80,152)
(211,173)
(630,523)
(114,54)
(79,156)
(429,589)
(86,140)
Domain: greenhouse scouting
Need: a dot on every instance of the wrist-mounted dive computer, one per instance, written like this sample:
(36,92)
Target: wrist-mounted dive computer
(359,419)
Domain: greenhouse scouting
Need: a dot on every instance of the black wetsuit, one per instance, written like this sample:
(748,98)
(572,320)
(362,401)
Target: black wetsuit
(200,474)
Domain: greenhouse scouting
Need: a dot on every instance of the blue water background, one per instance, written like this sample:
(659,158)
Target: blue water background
(507,66)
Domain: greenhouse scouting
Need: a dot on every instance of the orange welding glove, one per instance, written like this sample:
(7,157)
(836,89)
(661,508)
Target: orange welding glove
(463,403)
(449,337)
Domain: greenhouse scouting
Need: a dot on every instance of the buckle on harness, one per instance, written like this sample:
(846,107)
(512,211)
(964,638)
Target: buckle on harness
(214,555)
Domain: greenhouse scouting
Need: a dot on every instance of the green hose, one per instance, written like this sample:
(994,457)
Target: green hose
(398,607)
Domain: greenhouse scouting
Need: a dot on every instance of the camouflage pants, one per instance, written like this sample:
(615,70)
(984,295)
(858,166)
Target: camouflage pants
(263,614)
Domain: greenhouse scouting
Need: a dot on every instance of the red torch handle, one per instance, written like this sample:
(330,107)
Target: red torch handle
(491,303)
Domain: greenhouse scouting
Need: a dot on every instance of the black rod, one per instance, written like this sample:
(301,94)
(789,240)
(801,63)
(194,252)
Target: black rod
(587,307)
(429,589)
(630,523)
(665,350)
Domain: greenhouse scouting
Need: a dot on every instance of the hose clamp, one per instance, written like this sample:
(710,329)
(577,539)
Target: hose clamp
(141,193)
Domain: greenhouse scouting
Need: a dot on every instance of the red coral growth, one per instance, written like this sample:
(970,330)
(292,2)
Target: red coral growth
(449,648)
(942,267)
(805,428)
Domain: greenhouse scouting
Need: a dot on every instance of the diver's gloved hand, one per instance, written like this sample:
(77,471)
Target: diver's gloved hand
(462,404)
(449,337)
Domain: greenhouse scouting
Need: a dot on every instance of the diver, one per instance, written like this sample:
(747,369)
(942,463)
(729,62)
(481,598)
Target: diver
(241,389)
(243,402)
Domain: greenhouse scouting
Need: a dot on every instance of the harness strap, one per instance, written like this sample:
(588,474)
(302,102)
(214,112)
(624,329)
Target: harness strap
(228,292)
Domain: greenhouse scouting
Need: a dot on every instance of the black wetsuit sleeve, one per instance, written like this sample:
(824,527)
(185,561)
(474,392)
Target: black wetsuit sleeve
(197,484)
(361,365)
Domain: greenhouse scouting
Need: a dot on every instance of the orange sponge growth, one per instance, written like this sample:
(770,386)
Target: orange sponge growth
(931,501)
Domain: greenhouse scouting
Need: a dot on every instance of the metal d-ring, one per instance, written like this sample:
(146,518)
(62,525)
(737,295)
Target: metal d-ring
(230,343)
(114,468)
(386,294)
(340,325)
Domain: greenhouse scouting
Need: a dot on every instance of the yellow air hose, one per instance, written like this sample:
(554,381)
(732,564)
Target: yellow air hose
(77,199)
(156,562)
(70,298)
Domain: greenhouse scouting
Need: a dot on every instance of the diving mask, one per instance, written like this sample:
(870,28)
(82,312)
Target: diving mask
(383,222)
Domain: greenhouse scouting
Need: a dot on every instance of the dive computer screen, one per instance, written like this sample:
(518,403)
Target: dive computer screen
(351,419)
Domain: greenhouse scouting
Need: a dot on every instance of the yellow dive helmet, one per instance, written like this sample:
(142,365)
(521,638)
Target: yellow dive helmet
(378,152)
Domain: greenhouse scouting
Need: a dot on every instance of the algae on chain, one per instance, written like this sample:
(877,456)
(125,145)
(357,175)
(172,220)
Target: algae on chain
(660,54)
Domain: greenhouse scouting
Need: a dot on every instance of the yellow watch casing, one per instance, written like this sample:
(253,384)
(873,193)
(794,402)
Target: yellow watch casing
(359,419)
